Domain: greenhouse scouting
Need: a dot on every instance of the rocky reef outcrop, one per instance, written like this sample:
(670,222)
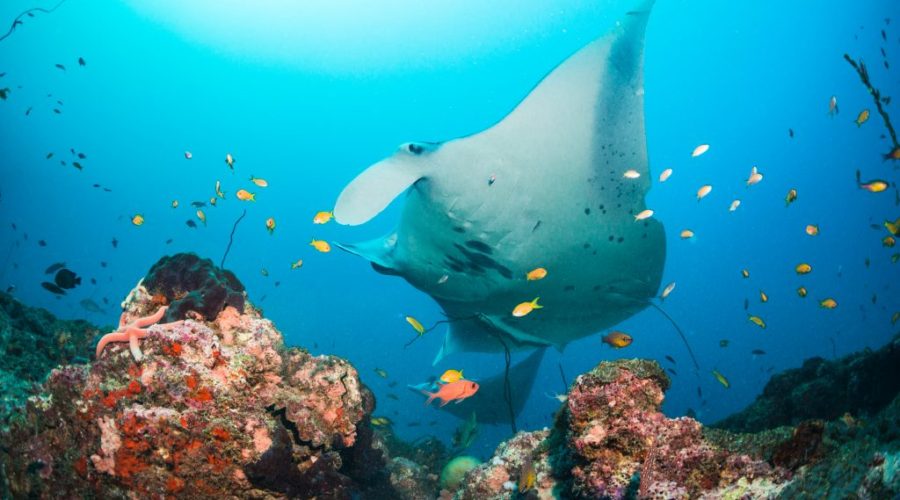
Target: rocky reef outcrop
(215,408)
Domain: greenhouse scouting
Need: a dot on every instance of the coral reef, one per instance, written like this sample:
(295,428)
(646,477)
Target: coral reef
(32,342)
(214,409)
(860,383)
(187,283)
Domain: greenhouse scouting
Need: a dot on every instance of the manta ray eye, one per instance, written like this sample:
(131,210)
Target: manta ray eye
(415,149)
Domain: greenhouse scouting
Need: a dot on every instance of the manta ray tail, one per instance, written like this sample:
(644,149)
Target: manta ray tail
(680,333)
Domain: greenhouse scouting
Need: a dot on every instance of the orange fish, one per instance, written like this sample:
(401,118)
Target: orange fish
(894,154)
(454,391)
(862,117)
(526,307)
(812,229)
(618,340)
(323,217)
(535,274)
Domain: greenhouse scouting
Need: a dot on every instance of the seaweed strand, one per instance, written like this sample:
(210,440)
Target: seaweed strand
(231,238)
(18,20)
(863,73)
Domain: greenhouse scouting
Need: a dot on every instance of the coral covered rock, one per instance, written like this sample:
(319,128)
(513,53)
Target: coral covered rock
(188,283)
(214,409)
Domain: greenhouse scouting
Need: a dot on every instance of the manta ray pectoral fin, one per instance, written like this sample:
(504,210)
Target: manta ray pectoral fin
(374,189)
(379,252)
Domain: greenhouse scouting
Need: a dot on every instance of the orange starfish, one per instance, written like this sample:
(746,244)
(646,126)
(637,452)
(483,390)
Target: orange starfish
(132,333)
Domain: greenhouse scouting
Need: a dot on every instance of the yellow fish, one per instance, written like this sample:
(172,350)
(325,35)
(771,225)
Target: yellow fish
(526,307)
(721,378)
(381,373)
(527,477)
(617,340)
(803,268)
(229,160)
(893,227)
(888,241)
(812,229)
(323,217)
(212,201)
(270,225)
(895,317)
(828,303)
(320,245)
(381,421)
(259,182)
(298,264)
(201,216)
(756,320)
(687,234)
(664,176)
(667,290)
(245,195)
(535,274)
(874,186)
(219,192)
(894,154)
(699,150)
(745,273)
(862,117)
(174,203)
(703,191)
(763,297)
(643,214)
(451,376)
(791,197)
(801,291)
(137,220)
(416,325)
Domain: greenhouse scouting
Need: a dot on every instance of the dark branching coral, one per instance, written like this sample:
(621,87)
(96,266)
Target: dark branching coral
(190,283)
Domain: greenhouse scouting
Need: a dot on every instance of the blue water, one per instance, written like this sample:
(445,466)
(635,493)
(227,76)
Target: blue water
(307,94)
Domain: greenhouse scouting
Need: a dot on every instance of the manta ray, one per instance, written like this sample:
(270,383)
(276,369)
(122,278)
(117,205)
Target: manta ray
(543,187)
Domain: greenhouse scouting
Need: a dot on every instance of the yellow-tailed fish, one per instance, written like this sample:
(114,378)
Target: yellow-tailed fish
(137,220)
(763,297)
(526,307)
(451,376)
(381,421)
(862,117)
(812,229)
(703,191)
(756,320)
(721,378)
(893,154)
(201,216)
(535,274)
(219,192)
(745,273)
(699,150)
(323,217)
(893,227)
(527,476)
(801,291)
(828,303)
(213,200)
(259,182)
(298,264)
(687,234)
(791,197)
(320,245)
(803,268)
(888,241)
(643,214)
(245,195)
(664,176)
(415,324)
(229,160)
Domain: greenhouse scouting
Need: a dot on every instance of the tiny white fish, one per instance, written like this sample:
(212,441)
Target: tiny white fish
(631,174)
(644,214)
(665,175)
(443,279)
(734,205)
(699,150)
(667,290)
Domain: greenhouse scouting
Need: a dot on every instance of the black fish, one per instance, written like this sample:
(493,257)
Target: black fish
(746,304)
(96,185)
(81,156)
(4,93)
(28,111)
(49,155)
(699,392)
(42,243)
(77,165)
(883,36)
(11,289)
(191,223)
(13,224)
(198,204)
(105,301)
(671,359)
(791,132)
(115,243)
(103,263)
(672,372)
(67,279)
(393,384)
(108,190)
(168,241)
(60,66)
(81,62)
(277,283)
(55,267)
(50,287)
(57,111)
(93,281)
(757,352)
